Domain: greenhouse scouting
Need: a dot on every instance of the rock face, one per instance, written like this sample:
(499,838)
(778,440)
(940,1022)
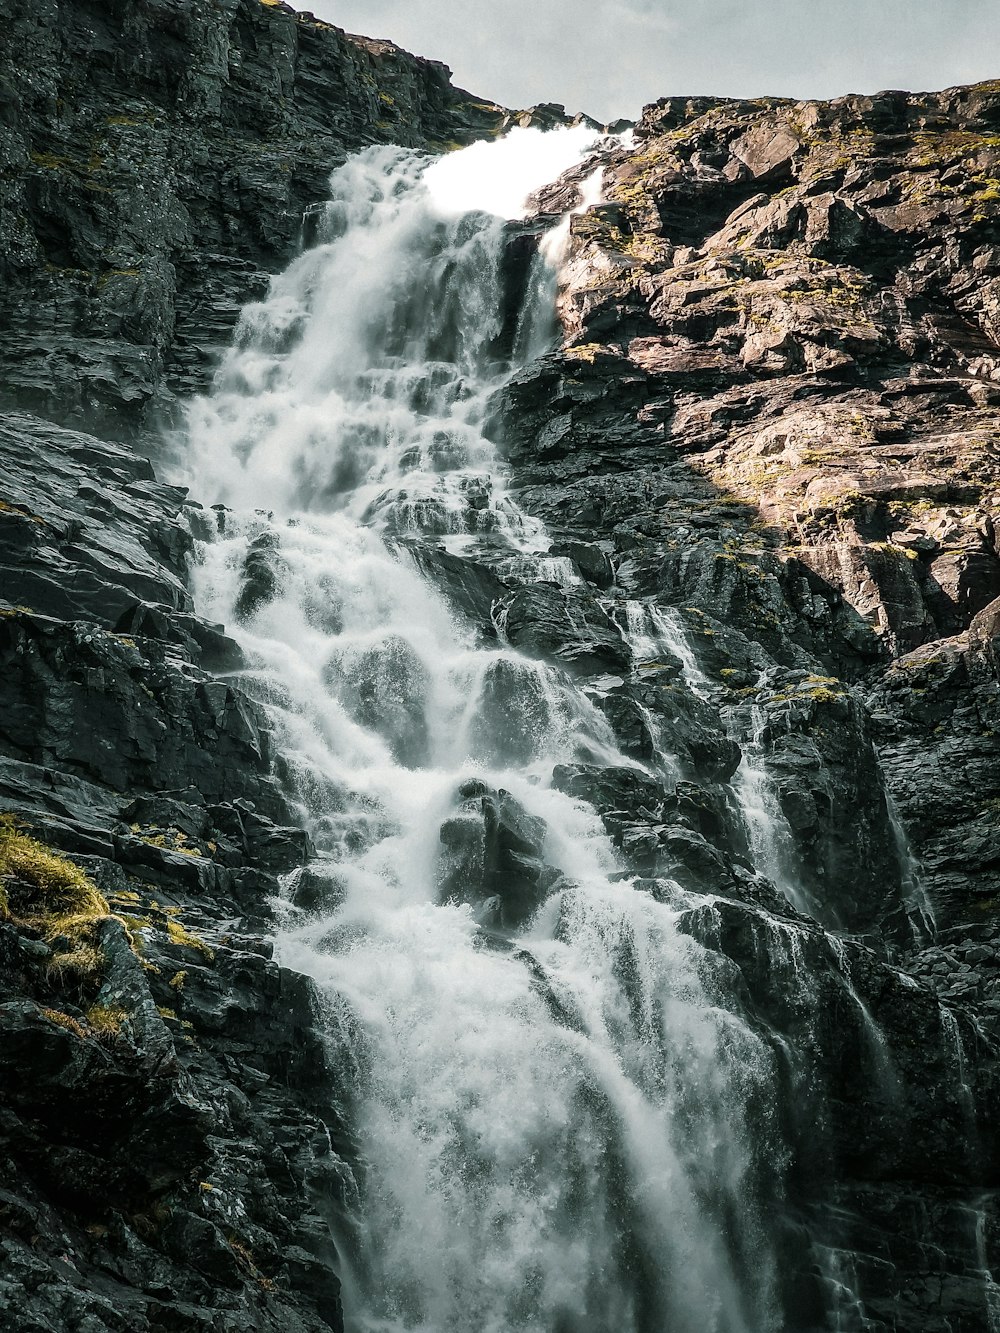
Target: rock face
(157,163)
(492,857)
(168,1112)
(135,1075)
(774,415)
(776,406)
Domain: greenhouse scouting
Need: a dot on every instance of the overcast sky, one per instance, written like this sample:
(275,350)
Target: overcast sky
(608,57)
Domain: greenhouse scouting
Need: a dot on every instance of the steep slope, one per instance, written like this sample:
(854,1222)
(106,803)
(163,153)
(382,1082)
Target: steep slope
(764,459)
(776,414)
(157,162)
(169,1121)
(787,312)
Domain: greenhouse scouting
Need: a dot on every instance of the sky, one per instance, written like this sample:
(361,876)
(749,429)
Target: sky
(609,57)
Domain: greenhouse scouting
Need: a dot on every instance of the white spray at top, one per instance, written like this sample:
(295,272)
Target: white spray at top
(360,384)
(499,177)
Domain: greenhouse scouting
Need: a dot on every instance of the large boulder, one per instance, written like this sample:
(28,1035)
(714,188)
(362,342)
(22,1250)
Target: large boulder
(385,688)
(545,621)
(493,857)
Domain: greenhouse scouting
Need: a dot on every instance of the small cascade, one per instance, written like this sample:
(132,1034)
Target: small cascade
(887,1078)
(918,905)
(846,1311)
(991,1287)
(954,1044)
(652,631)
(561,1128)
(669,631)
(772,842)
(516,567)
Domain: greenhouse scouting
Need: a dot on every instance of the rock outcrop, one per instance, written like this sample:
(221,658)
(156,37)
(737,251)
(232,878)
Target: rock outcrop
(148,1039)
(157,163)
(168,1109)
(774,414)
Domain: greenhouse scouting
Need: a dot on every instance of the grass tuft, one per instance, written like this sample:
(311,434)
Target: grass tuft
(188,939)
(65,1021)
(41,889)
(78,963)
(105,1021)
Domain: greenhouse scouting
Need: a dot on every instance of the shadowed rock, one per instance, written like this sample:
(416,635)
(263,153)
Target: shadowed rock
(493,857)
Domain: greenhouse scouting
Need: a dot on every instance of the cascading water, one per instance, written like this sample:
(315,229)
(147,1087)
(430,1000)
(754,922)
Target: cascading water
(560,1123)
(652,630)
(771,839)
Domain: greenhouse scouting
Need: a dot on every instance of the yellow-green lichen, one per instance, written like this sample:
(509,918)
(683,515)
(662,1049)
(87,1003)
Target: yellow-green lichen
(105,1021)
(187,939)
(44,890)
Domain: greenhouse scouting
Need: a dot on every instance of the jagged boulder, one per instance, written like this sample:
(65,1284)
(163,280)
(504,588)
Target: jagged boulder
(657,717)
(545,621)
(610,789)
(260,575)
(493,857)
(385,687)
(514,713)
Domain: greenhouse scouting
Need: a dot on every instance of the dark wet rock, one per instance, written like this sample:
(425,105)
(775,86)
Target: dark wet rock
(385,688)
(880,1079)
(817,749)
(260,576)
(470,585)
(543,620)
(513,713)
(158,164)
(103,708)
(984,638)
(774,413)
(129,1095)
(127,1104)
(590,560)
(85,530)
(653,715)
(87,533)
(493,857)
(610,789)
(688,857)
(937,716)
(318,889)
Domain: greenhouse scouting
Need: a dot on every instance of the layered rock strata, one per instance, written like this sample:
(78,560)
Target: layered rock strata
(774,415)
(170,1121)
(168,1108)
(157,164)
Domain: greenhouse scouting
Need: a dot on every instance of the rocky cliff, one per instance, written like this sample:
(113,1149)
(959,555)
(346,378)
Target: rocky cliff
(168,1114)
(157,164)
(776,412)
(778,401)
(774,417)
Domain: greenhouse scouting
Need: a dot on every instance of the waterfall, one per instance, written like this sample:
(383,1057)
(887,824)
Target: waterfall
(563,1126)
(769,834)
(653,631)
(913,893)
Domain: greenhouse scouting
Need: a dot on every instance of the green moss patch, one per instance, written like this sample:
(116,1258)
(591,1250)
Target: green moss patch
(46,891)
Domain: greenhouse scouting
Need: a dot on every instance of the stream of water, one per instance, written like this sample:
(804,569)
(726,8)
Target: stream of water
(562,1130)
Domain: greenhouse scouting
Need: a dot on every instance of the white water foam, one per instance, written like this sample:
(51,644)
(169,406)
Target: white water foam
(555,1128)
